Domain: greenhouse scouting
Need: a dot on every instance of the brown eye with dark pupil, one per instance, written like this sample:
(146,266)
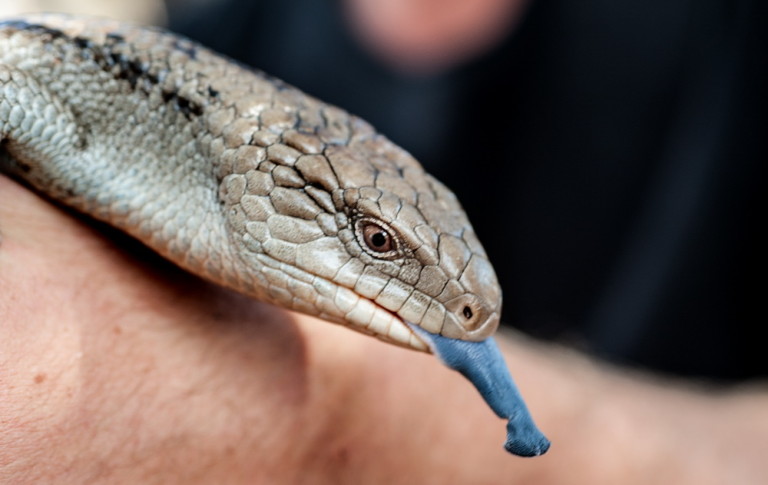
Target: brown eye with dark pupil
(376,238)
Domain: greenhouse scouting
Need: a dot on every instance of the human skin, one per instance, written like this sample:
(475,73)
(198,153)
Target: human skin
(116,367)
(429,36)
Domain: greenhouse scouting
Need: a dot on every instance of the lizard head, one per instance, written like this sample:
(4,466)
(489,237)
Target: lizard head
(340,223)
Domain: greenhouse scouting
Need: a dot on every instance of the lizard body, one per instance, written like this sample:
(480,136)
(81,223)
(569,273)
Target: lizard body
(254,185)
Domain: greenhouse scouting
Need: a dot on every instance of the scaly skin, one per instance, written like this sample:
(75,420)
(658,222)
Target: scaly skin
(138,124)
(240,178)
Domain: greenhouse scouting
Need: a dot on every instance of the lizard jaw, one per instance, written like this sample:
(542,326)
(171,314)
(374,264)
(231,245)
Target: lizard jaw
(337,303)
(368,317)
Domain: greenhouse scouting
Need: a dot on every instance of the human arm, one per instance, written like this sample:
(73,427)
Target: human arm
(118,368)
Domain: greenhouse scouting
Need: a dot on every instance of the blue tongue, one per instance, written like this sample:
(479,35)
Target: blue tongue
(483,364)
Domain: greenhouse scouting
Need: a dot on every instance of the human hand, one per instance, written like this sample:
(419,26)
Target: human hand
(117,367)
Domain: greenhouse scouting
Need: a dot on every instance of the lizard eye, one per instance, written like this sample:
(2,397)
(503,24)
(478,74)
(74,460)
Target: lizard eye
(376,237)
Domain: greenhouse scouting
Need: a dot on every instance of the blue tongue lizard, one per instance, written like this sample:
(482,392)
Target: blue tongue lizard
(483,364)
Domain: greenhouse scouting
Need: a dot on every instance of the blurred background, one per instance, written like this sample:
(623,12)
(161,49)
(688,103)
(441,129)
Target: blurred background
(610,154)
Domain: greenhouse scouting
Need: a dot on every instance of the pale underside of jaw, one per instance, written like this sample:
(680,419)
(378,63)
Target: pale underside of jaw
(343,305)
(377,321)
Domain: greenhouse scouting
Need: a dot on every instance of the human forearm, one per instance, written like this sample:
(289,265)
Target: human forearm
(118,368)
(613,425)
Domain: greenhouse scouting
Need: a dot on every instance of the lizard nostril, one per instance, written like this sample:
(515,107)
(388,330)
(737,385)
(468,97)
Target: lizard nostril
(467,312)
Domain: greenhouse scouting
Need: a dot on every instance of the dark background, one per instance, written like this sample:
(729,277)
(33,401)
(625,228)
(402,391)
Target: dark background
(610,155)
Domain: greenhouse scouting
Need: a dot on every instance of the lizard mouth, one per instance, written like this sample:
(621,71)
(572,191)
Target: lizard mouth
(368,317)
(328,300)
